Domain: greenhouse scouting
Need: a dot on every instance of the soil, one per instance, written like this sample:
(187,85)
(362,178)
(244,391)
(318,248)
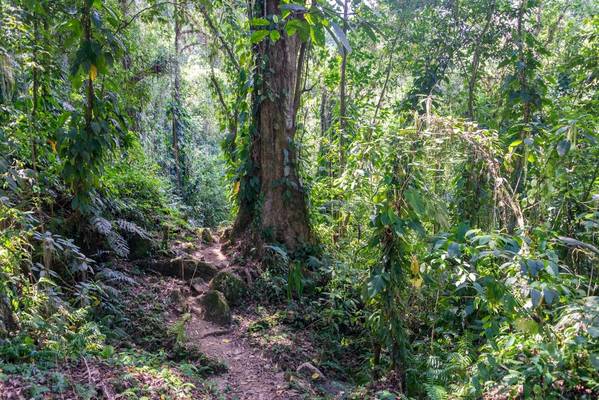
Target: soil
(250,375)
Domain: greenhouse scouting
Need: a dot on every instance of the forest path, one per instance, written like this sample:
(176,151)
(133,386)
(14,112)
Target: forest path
(250,375)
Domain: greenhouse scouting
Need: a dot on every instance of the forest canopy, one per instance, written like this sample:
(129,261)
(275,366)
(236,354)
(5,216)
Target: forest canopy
(388,199)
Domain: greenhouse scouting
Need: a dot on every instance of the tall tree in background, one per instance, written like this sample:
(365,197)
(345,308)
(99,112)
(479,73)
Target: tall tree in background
(176,93)
(343,90)
(272,201)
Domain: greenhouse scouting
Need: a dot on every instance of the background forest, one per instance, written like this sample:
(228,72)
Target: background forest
(408,188)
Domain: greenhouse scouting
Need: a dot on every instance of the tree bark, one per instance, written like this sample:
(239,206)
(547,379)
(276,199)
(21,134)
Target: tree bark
(519,174)
(272,204)
(326,120)
(89,104)
(36,90)
(476,60)
(176,95)
(342,94)
(8,322)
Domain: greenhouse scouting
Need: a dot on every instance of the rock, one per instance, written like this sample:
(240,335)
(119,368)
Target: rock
(227,233)
(140,248)
(206,236)
(185,267)
(198,285)
(187,247)
(177,299)
(310,372)
(334,389)
(194,268)
(215,308)
(230,285)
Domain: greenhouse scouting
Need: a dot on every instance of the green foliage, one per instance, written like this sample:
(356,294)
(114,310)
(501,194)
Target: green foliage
(456,201)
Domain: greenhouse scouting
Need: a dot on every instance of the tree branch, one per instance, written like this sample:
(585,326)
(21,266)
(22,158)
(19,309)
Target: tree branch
(216,33)
(137,14)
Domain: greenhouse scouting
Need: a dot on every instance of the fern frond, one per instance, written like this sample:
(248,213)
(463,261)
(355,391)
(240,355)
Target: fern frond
(111,275)
(132,227)
(118,244)
(435,392)
(102,225)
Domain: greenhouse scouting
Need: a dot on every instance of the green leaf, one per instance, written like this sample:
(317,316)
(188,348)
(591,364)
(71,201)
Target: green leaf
(259,22)
(414,199)
(549,295)
(317,35)
(293,7)
(275,35)
(593,331)
(516,143)
(300,27)
(453,250)
(258,36)
(340,35)
(527,325)
(536,297)
(563,147)
(376,285)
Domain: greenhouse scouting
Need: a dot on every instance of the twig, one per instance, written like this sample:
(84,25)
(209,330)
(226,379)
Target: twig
(89,374)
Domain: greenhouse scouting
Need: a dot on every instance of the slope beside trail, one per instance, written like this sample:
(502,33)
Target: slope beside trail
(250,375)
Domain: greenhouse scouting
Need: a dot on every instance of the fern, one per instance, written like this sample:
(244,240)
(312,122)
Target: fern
(178,329)
(111,275)
(131,227)
(102,225)
(117,243)
(435,392)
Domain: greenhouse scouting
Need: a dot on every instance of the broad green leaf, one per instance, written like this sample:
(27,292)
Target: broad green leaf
(300,27)
(317,35)
(536,297)
(563,147)
(274,35)
(340,35)
(527,325)
(259,22)
(258,36)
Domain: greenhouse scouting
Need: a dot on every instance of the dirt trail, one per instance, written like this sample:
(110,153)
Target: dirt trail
(250,375)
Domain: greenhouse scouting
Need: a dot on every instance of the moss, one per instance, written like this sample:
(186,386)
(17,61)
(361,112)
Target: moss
(140,248)
(215,307)
(230,285)
(206,236)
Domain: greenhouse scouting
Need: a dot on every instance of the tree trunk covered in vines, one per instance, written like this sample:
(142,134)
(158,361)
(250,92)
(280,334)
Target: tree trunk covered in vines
(272,204)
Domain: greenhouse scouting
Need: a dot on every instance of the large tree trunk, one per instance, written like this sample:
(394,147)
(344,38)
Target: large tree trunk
(272,204)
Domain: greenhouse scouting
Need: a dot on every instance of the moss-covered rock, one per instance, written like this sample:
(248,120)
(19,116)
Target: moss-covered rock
(230,285)
(215,307)
(184,267)
(198,285)
(140,248)
(206,236)
(189,268)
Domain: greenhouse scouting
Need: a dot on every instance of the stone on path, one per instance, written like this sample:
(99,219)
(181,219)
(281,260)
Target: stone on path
(230,285)
(215,308)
